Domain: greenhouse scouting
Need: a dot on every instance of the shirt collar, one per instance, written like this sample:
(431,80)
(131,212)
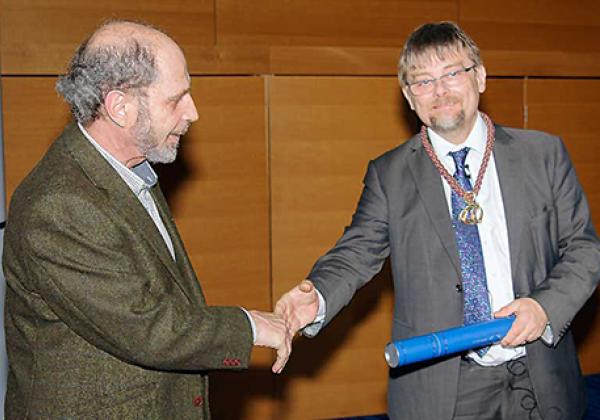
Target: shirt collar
(476,140)
(139,178)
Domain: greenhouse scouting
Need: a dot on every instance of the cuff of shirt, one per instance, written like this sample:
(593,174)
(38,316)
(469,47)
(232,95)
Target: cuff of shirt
(313,328)
(548,335)
(252,324)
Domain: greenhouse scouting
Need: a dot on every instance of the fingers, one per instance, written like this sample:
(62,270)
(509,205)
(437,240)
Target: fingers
(507,310)
(298,306)
(530,322)
(306,286)
(272,331)
(283,355)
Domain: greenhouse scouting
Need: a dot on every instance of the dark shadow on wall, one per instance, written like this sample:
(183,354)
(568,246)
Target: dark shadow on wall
(310,355)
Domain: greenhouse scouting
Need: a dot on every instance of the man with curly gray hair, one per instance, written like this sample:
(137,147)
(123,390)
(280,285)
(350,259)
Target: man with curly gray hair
(104,315)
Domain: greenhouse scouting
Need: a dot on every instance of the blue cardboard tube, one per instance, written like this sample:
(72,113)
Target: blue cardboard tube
(445,342)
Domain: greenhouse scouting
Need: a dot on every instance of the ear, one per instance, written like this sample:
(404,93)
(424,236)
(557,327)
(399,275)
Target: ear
(480,76)
(117,107)
(408,97)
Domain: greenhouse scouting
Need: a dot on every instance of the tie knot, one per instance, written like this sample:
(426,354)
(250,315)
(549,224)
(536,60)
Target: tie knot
(459,158)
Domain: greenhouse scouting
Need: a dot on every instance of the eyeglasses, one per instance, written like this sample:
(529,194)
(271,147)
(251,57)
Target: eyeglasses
(452,79)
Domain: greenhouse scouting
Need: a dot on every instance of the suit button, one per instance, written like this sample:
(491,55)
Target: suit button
(459,288)
(198,401)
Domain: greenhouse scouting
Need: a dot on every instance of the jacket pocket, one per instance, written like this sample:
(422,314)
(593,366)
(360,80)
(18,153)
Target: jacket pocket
(544,234)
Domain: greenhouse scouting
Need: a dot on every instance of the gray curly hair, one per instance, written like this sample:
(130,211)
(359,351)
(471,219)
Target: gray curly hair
(95,70)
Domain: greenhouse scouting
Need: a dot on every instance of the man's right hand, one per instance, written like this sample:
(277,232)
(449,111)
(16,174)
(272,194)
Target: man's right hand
(271,331)
(299,306)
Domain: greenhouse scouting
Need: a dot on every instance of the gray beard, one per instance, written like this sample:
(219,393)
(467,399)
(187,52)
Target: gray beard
(447,125)
(149,142)
(167,154)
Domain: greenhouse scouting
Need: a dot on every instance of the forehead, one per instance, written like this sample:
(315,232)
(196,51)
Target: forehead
(172,69)
(437,58)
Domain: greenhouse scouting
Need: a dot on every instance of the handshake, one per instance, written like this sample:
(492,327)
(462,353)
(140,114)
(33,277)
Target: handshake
(294,310)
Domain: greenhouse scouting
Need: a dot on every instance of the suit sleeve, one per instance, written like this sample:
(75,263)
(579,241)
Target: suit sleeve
(361,251)
(79,263)
(575,275)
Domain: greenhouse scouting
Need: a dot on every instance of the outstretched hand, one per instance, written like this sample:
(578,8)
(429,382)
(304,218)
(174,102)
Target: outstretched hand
(271,331)
(299,306)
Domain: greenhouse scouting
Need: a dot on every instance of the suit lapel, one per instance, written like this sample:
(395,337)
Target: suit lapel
(431,191)
(509,166)
(182,260)
(119,197)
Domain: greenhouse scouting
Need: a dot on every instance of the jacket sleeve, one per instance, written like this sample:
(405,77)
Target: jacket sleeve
(361,251)
(573,278)
(80,262)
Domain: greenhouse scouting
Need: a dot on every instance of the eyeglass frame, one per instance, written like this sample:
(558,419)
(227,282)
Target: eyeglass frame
(441,79)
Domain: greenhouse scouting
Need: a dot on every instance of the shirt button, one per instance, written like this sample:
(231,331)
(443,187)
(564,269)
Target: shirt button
(459,288)
(198,401)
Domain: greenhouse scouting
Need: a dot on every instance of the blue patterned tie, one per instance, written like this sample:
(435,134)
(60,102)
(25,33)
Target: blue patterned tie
(476,300)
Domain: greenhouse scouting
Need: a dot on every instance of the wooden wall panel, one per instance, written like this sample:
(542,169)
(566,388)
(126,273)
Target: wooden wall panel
(569,108)
(535,38)
(332,23)
(218,192)
(34,116)
(343,37)
(222,212)
(503,101)
(39,37)
(335,37)
(323,132)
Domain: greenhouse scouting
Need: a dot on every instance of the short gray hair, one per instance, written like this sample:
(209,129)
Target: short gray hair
(95,70)
(441,38)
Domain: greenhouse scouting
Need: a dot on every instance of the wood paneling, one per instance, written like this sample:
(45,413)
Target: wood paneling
(535,38)
(342,37)
(39,37)
(323,132)
(331,23)
(221,209)
(569,108)
(34,116)
(334,60)
(503,101)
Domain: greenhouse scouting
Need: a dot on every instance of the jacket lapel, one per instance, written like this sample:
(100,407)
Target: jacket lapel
(431,191)
(183,263)
(119,197)
(509,166)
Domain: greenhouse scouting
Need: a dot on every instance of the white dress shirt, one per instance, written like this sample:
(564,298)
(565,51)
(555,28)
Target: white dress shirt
(493,231)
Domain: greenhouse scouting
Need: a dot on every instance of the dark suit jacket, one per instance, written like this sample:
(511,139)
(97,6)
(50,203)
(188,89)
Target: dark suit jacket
(403,213)
(100,321)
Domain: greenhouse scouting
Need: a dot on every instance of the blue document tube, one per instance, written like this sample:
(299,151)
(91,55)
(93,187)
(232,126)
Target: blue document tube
(441,343)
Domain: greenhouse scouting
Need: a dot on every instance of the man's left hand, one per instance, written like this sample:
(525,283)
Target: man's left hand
(529,325)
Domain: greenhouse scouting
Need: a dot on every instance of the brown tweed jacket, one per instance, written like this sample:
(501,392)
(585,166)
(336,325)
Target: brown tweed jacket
(100,321)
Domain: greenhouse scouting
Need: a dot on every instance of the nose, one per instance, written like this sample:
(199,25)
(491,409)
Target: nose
(439,87)
(191,113)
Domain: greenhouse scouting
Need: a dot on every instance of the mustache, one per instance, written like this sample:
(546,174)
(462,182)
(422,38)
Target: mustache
(181,131)
(446,101)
